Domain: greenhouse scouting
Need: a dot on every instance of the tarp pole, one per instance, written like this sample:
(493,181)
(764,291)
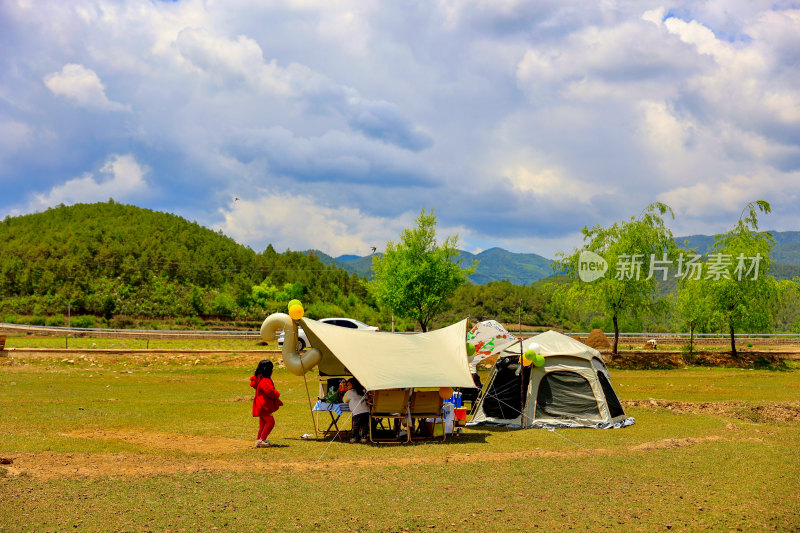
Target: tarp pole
(521,385)
(521,374)
(310,407)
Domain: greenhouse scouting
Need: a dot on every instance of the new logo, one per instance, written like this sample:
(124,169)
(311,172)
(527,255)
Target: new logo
(591,266)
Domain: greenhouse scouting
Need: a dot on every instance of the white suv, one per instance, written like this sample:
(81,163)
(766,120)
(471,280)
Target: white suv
(302,340)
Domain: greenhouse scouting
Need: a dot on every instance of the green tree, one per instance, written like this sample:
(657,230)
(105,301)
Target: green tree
(693,306)
(743,295)
(636,251)
(416,277)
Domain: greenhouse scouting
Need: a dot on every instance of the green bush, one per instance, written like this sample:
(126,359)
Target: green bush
(37,320)
(83,321)
(194,321)
(122,322)
(223,305)
(56,320)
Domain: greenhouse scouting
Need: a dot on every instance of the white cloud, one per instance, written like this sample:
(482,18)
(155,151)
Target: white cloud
(727,196)
(299,222)
(561,112)
(549,183)
(233,60)
(121,177)
(83,87)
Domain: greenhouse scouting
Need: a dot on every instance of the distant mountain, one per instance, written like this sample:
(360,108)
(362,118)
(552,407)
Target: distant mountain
(785,254)
(494,264)
(786,250)
(497,264)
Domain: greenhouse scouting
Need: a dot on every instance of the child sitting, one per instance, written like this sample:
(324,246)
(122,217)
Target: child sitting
(356,399)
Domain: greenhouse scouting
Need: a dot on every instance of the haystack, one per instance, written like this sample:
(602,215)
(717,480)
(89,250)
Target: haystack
(598,340)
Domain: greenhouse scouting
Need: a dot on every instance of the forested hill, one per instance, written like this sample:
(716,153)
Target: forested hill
(111,259)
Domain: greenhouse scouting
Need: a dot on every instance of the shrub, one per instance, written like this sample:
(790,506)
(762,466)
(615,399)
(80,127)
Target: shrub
(37,320)
(223,305)
(194,321)
(122,322)
(83,321)
(55,320)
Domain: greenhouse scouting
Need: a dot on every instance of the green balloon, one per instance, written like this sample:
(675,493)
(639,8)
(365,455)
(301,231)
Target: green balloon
(293,303)
(470,349)
(530,355)
(538,360)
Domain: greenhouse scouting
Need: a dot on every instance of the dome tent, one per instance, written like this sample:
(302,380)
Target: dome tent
(571,389)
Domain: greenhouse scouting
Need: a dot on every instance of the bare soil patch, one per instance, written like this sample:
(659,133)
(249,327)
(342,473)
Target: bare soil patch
(50,465)
(165,441)
(650,359)
(768,412)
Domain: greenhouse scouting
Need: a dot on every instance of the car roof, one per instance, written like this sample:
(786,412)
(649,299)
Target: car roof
(343,318)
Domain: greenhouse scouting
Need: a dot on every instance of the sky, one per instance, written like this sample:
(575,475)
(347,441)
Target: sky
(330,124)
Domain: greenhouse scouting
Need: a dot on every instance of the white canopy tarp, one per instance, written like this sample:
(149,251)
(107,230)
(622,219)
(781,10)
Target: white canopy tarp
(390,361)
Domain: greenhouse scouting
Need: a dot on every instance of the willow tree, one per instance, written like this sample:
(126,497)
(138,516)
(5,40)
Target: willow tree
(417,277)
(741,292)
(637,253)
(692,305)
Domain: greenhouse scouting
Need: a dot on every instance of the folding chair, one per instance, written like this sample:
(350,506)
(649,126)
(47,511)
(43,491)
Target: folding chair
(426,404)
(391,404)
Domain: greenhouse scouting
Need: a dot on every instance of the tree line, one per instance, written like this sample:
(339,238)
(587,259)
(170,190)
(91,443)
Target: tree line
(112,264)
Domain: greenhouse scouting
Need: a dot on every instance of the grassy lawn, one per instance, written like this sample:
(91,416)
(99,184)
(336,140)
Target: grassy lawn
(160,445)
(132,343)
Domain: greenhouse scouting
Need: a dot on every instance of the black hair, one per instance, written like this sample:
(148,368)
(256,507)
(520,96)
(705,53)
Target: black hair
(357,386)
(264,368)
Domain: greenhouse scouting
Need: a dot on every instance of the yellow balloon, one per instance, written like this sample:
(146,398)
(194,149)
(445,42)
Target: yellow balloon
(528,357)
(445,392)
(296,312)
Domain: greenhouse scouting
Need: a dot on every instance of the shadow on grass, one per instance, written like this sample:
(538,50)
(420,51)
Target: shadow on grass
(469,437)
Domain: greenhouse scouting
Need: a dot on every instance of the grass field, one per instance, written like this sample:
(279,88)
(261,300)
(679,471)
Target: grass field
(125,444)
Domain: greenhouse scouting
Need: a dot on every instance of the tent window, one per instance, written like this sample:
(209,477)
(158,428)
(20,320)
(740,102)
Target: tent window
(614,407)
(564,394)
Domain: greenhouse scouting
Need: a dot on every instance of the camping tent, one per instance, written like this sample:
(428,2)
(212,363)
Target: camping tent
(572,388)
(387,361)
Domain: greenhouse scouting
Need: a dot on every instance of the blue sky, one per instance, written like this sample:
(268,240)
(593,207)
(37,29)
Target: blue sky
(335,122)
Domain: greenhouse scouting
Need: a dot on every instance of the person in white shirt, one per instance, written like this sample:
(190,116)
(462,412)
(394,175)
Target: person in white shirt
(356,399)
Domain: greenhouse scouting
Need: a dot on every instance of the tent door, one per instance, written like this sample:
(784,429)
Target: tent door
(503,396)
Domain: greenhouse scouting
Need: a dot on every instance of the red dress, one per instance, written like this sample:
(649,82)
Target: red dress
(266,401)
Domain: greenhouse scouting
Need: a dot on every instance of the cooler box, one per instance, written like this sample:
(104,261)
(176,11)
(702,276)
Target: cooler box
(461,416)
(455,399)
